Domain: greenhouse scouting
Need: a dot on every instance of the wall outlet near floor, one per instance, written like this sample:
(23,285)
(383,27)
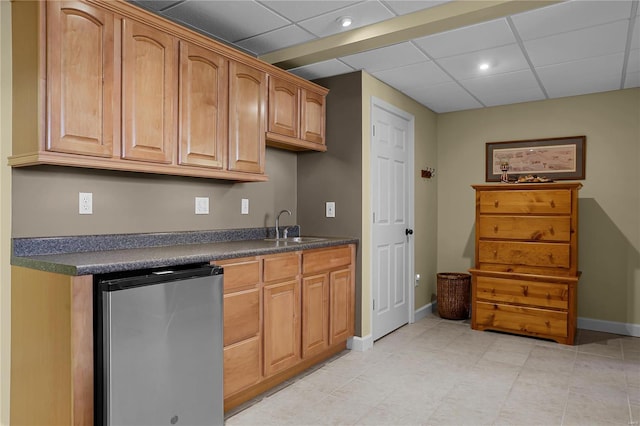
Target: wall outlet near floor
(244,206)
(202,205)
(330,208)
(85,202)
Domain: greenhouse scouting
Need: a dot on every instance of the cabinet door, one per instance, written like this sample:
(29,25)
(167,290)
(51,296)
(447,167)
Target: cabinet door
(281,326)
(340,306)
(247,119)
(149,81)
(284,103)
(315,314)
(202,116)
(80,79)
(312,117)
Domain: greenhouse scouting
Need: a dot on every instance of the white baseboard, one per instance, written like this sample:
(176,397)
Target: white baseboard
(423,311)
(626,329)
(360,344)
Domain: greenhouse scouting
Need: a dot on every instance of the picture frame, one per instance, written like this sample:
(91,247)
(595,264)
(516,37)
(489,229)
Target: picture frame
(553,158)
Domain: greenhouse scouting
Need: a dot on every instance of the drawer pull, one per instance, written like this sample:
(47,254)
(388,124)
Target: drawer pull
(495,203)
(493,291)
(495,254)
(551,230)
(525,290)
(495,228)
(553,203)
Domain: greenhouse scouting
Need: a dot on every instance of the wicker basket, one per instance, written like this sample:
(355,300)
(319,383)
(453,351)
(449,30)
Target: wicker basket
(454,292)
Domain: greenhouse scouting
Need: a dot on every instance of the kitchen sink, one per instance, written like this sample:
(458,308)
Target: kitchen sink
(298,240)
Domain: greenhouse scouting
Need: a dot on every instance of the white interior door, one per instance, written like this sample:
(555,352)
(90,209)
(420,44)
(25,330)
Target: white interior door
(392,205)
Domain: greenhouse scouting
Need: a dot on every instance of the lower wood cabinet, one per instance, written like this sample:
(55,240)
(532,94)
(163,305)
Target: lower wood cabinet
(283,314)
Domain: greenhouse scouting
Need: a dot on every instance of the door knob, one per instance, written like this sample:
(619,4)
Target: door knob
(408,231)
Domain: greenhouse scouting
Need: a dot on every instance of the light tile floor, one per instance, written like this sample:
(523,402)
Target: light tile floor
(440,372)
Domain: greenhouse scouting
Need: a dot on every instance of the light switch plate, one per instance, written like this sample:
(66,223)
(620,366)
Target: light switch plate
(244,208)
(330,208)
(85,202)
(202,205)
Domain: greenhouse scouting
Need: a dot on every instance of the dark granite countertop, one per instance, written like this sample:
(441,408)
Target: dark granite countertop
(73,255)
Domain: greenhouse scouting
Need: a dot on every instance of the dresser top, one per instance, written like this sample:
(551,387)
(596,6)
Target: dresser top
(521,186)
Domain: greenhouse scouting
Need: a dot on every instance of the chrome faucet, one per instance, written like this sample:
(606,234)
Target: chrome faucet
(278,223)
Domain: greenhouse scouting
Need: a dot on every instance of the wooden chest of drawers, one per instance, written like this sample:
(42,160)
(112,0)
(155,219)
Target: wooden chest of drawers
(526,260)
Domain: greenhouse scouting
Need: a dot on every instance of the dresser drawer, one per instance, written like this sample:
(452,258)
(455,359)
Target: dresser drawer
(500,290)
(535,228)
(526,201)
(521,319)
(549,255)
(281,267)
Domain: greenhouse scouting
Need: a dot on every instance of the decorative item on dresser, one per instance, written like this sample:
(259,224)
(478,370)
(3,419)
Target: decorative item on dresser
(525,279)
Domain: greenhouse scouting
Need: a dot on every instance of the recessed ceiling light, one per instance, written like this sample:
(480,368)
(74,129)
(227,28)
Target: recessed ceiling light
(484,66)
(345,21)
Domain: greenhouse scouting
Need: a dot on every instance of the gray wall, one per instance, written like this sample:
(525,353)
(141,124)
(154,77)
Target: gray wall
(45,200)
(336,175)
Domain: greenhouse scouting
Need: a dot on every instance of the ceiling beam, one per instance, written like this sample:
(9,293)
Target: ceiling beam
(445,17)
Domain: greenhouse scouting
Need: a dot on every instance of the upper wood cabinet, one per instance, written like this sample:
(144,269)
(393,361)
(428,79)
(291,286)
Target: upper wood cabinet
(296,115)
(149,75)
(203,113)
(247,100)
(80,79)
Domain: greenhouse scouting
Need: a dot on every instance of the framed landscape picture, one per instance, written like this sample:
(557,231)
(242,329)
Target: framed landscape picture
(553,158)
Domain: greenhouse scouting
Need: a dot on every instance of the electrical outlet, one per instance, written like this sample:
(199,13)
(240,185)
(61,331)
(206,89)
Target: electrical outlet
(244,207)
(85,203)
(202,205)
(330,208)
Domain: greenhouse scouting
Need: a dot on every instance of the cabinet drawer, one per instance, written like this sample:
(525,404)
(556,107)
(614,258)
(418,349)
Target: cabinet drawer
(241,315)
(521,319)
(536,228)
(281,267)
(324,260)
(241,366)
(526,201)
(240,273)
(545,295)
(550,255)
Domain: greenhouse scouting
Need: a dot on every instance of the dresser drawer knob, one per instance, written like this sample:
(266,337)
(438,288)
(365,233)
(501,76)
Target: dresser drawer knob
(495,228)
(495,253)
(553,203)
(495,203)
(525,290)
(551,230)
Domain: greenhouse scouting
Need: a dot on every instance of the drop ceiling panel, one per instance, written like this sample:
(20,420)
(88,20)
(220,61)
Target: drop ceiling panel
(322,69)
(410,77)
(590,75)
(476,37)
(569,16)
(501,59)
(445,98)
(276,39)
(403,7)
(157,4)
(364,13)
(593,41)
(397,55)
(297,10)
(229,20)
(509,88)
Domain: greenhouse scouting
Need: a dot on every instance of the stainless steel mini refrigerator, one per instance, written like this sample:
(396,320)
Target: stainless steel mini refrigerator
(159,347)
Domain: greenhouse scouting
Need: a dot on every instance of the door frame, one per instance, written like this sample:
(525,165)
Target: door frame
(379,103)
